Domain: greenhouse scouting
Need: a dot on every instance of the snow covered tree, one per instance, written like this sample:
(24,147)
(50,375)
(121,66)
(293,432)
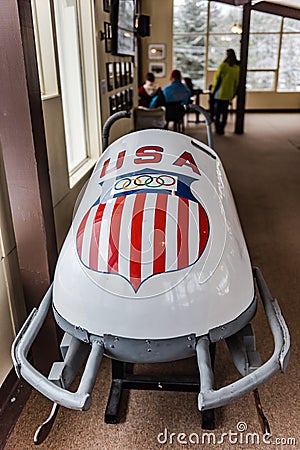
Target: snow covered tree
(189,45)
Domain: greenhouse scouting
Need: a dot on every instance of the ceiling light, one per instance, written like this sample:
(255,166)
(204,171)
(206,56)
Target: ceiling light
(236,29)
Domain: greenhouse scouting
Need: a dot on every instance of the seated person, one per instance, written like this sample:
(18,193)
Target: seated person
(176,91)
(188,82)
(148,91)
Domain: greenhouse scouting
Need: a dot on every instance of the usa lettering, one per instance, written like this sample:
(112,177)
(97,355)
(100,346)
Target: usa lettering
(149,154)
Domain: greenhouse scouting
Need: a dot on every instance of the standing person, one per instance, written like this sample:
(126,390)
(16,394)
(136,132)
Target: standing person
(224,88)
(148,91)
(176,91)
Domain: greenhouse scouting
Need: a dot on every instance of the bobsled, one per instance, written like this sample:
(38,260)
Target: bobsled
(154,268)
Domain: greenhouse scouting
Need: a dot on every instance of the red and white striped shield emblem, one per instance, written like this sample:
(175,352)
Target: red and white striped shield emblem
(144,227)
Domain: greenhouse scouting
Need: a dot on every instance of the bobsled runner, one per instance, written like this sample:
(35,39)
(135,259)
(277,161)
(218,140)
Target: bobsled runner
(155,268)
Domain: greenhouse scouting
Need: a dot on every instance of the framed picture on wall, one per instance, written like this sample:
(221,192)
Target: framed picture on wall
(158,68)
(112,104)
(156,51)
(108,36)
(123,74)
(117,74)
(110,76)
(131,69)
(131,95)
(106,5)
(124,98)
(119,101)
(127,98)
(128,72)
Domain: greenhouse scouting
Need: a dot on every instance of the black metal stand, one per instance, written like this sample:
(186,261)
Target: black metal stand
(123,378)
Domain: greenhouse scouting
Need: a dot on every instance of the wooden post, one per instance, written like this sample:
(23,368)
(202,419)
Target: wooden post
(25,158)
(241,99)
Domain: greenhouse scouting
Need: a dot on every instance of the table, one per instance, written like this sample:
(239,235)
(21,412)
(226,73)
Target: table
(197,94)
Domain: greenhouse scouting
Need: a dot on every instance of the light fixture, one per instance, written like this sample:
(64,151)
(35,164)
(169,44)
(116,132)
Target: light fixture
(236,29)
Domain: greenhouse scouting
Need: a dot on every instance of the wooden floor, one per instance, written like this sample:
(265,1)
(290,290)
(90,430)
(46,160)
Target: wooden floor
(263,167)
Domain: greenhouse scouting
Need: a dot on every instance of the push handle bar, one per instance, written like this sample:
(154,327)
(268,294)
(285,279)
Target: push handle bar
(201,110)
(210,398)
(108,124)
(79,400)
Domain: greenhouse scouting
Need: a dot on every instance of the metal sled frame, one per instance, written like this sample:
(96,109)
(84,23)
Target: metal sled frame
(255,374)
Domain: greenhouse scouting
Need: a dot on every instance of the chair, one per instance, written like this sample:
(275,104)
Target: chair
(175,112)
(149,118)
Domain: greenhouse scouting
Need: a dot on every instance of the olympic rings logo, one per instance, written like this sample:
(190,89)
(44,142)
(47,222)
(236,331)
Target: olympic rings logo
(145,180)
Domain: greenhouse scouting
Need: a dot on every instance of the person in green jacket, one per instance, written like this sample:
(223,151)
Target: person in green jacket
(224,88)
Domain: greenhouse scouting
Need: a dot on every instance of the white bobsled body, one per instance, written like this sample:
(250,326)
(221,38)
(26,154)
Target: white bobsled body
(155,250)
(154,269)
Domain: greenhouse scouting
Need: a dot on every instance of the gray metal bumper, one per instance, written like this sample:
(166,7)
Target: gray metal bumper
(208,397)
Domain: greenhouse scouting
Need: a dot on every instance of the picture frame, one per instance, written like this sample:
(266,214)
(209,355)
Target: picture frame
(122,17)
(112,104)
(127,98)
(128,72)
(124,99)
(117,75)
(156,51)
(158,68)
(122,74)
(131,96)
(119,101)
(131,72)
(106,5)
(108,37)
(110,76)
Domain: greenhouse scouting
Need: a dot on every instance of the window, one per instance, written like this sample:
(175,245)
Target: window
(202,33)
(218,44)
(78,79)
(263,51)
(221,20)
(190,54)
(261,80)
(289,67)
(190,39)
(262,22)
(68,42)
(264,47)
(42,21)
